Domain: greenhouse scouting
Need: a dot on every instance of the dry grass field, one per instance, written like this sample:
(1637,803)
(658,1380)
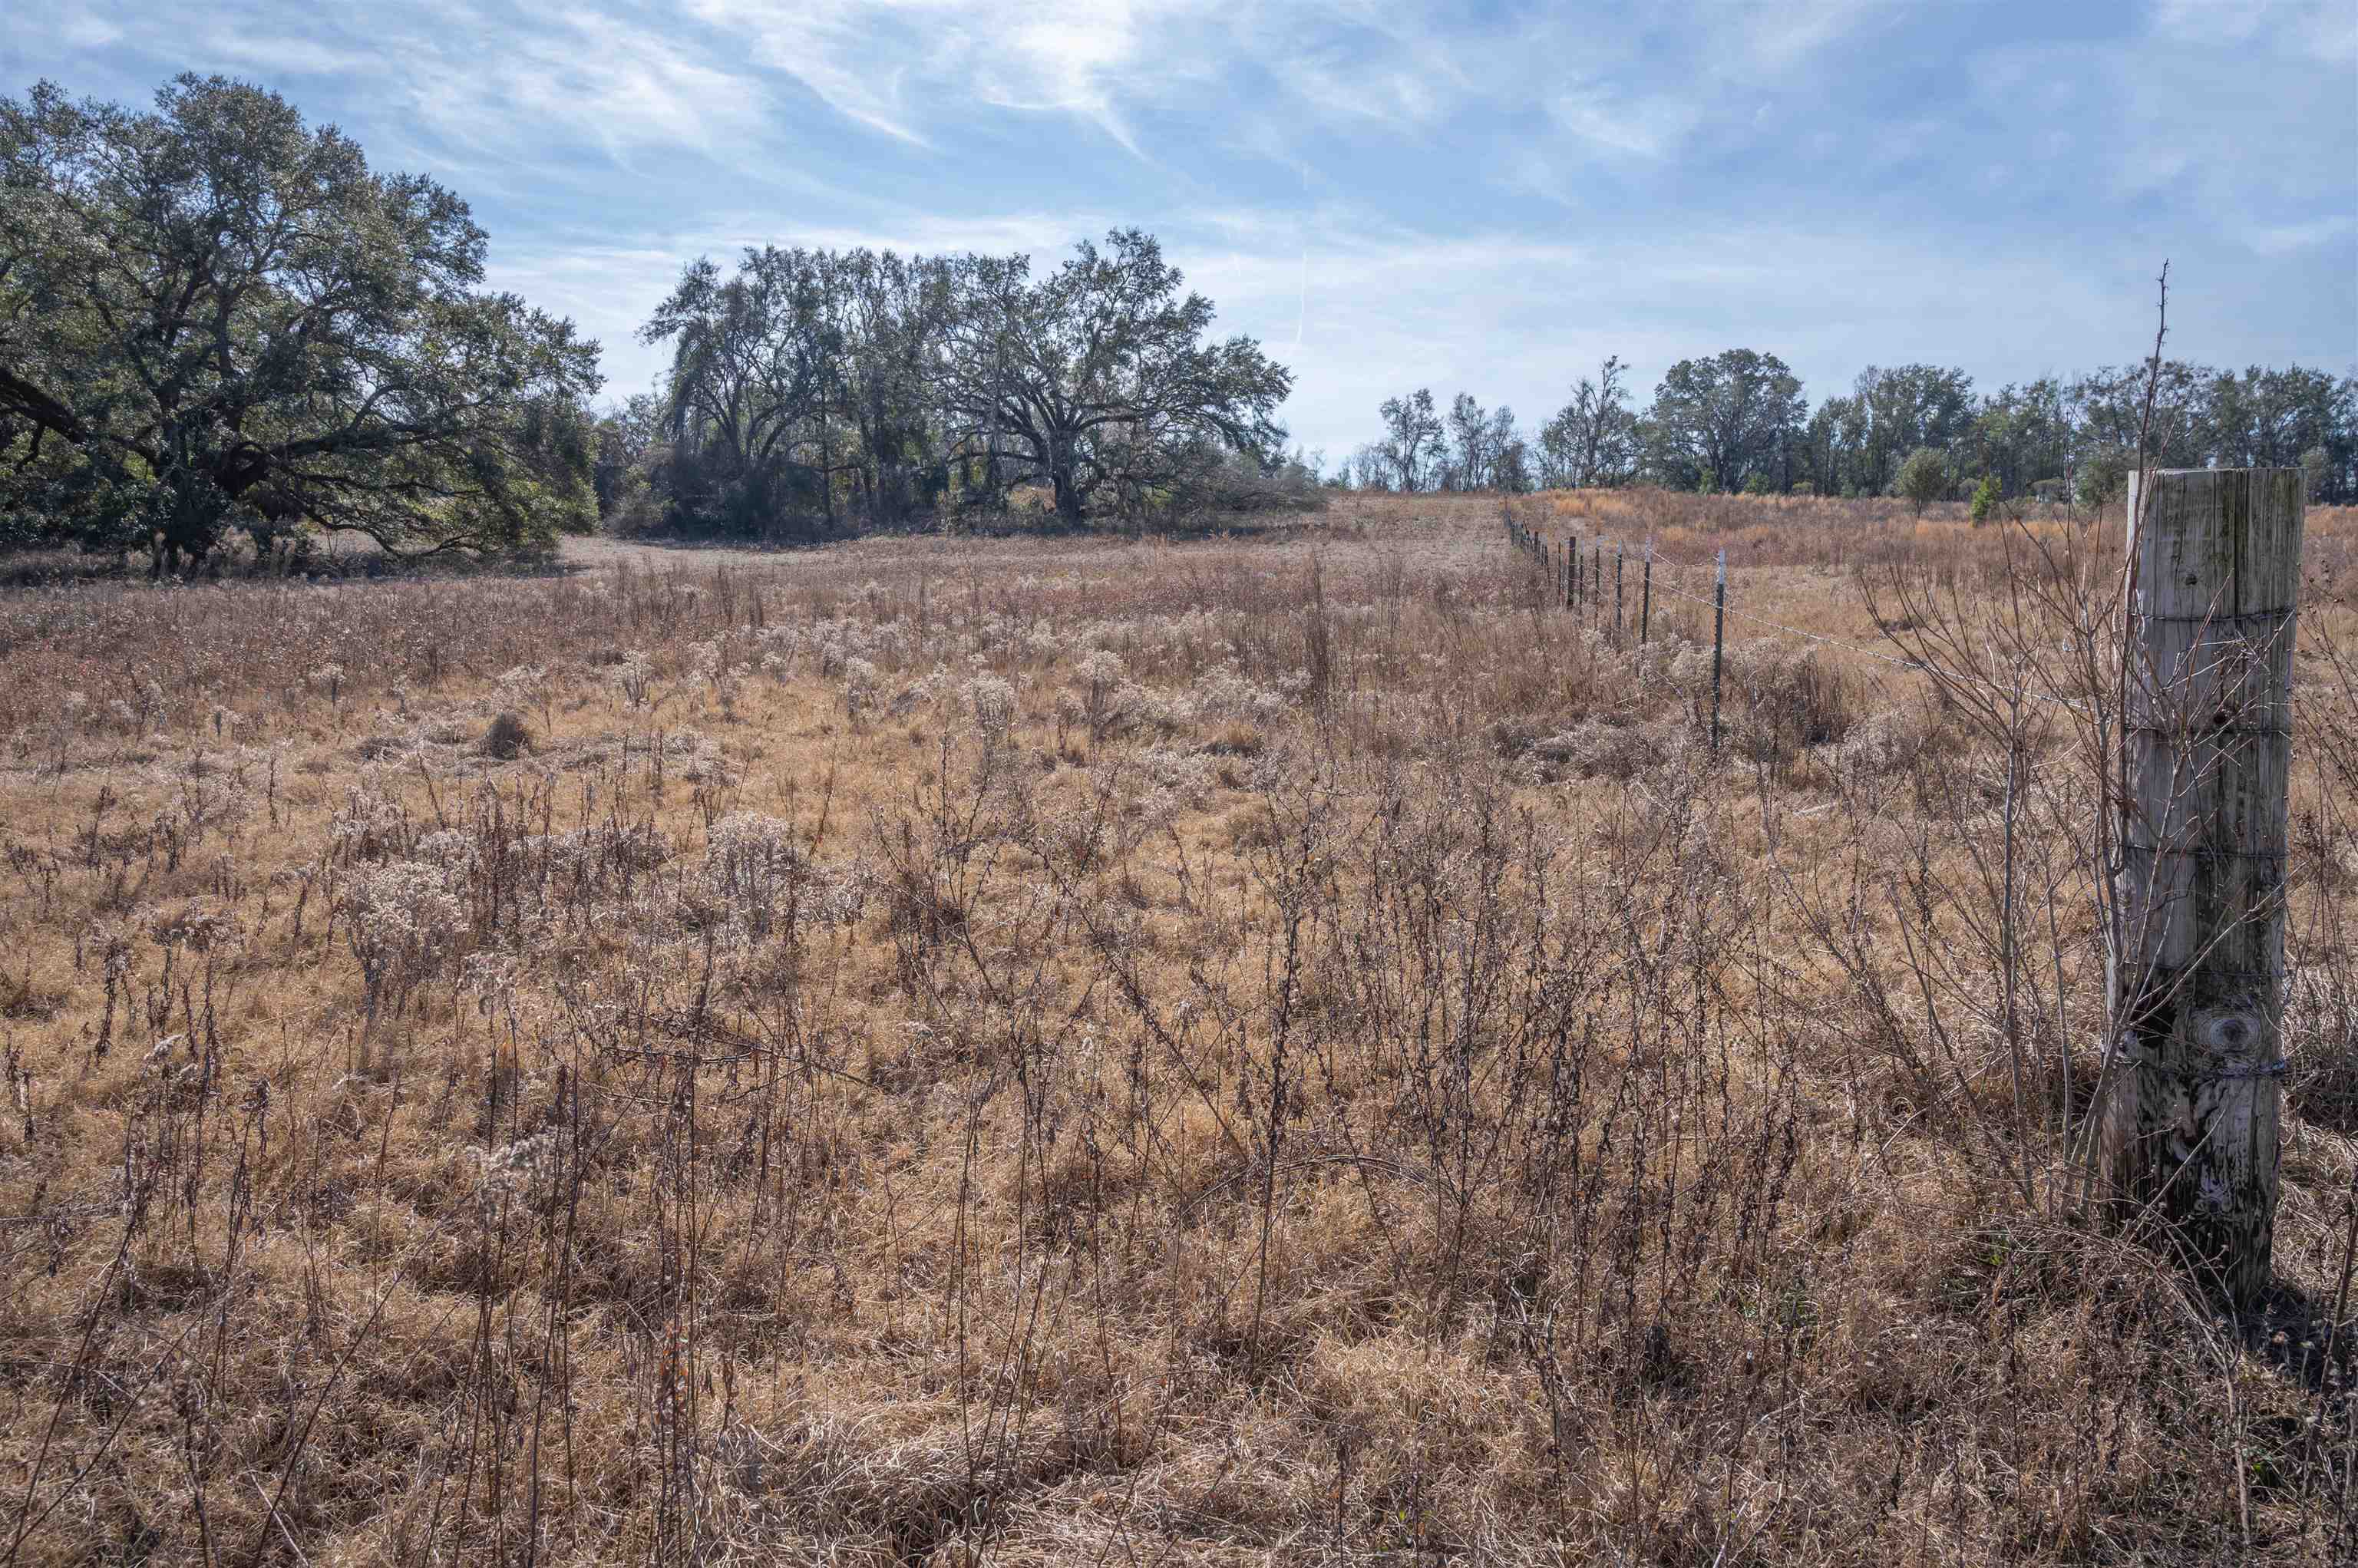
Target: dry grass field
(1250,1051)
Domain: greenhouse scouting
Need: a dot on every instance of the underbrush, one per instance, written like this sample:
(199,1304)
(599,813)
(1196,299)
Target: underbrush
(1049,1051)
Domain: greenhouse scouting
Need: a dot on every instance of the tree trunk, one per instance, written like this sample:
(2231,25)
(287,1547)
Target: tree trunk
(2189,1129)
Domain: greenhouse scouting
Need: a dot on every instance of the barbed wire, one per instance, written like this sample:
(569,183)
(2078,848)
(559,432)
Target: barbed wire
(1718,604)
(1656,558)
(1735,614)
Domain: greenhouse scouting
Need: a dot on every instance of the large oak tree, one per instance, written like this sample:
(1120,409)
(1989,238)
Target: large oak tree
(1731,415)
(1099,375)
(212,316)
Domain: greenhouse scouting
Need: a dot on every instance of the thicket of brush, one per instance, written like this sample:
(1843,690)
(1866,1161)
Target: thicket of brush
(1057,1052)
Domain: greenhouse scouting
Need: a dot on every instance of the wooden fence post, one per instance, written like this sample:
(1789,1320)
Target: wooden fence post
(2188,1131)
(1718,645)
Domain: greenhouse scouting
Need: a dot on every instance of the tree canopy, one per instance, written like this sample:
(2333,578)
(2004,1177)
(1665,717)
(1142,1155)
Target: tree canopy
(1593,438)
(1097,376)
(213,315)
(1728,414)
(1411,431)
(1738,420)
(809,381)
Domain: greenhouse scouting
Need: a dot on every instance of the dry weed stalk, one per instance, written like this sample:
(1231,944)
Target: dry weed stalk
(1267,1050)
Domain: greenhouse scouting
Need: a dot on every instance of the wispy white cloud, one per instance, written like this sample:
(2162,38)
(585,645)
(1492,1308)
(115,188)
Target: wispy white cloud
(1388,192)
(1641,127)
(1771,37)
(841,52)
(2323,30)
(901,66)
(2283,239)
(598,83)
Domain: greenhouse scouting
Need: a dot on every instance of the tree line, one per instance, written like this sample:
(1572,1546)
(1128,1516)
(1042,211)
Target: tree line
(818,389)
(220,325)
(1738,421)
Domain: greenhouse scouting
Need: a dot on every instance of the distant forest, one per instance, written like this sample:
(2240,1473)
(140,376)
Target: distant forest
(219,327)
(1739,421)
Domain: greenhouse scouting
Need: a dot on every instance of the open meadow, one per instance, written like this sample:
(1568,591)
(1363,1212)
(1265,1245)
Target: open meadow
(1282,1048)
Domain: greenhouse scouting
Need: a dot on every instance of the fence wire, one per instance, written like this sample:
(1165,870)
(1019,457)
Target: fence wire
(1590,587)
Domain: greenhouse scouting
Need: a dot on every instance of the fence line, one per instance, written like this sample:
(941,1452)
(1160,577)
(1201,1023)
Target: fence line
(1583,593)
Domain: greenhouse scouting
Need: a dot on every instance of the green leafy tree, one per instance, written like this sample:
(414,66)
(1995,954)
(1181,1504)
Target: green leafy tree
(2105,473)
(1900,409)
(1733,415)
(2109,407)
(1833,445)
(1098,378)
(213,315)
(2021,434)
(2275,418)
(1924,477)
(756,374)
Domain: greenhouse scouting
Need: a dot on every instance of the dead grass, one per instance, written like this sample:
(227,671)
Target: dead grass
(951,1052)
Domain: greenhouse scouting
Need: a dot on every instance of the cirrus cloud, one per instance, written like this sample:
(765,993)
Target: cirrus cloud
(1389,194)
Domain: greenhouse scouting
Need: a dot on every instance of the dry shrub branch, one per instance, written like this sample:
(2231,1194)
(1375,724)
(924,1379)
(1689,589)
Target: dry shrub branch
(1241,1051)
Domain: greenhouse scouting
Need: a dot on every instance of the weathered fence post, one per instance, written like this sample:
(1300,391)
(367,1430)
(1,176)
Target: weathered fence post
(1646,597)
(2189,1130)
(1718,645)
(1575,542)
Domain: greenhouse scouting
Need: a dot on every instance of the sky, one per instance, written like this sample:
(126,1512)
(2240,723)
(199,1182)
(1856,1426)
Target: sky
(1487,198)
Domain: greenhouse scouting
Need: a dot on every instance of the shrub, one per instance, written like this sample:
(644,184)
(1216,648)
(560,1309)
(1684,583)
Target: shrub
(1211,481)
(509,736)
(1986,499)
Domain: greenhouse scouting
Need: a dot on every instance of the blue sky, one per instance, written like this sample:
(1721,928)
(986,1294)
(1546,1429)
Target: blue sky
(1487,198)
